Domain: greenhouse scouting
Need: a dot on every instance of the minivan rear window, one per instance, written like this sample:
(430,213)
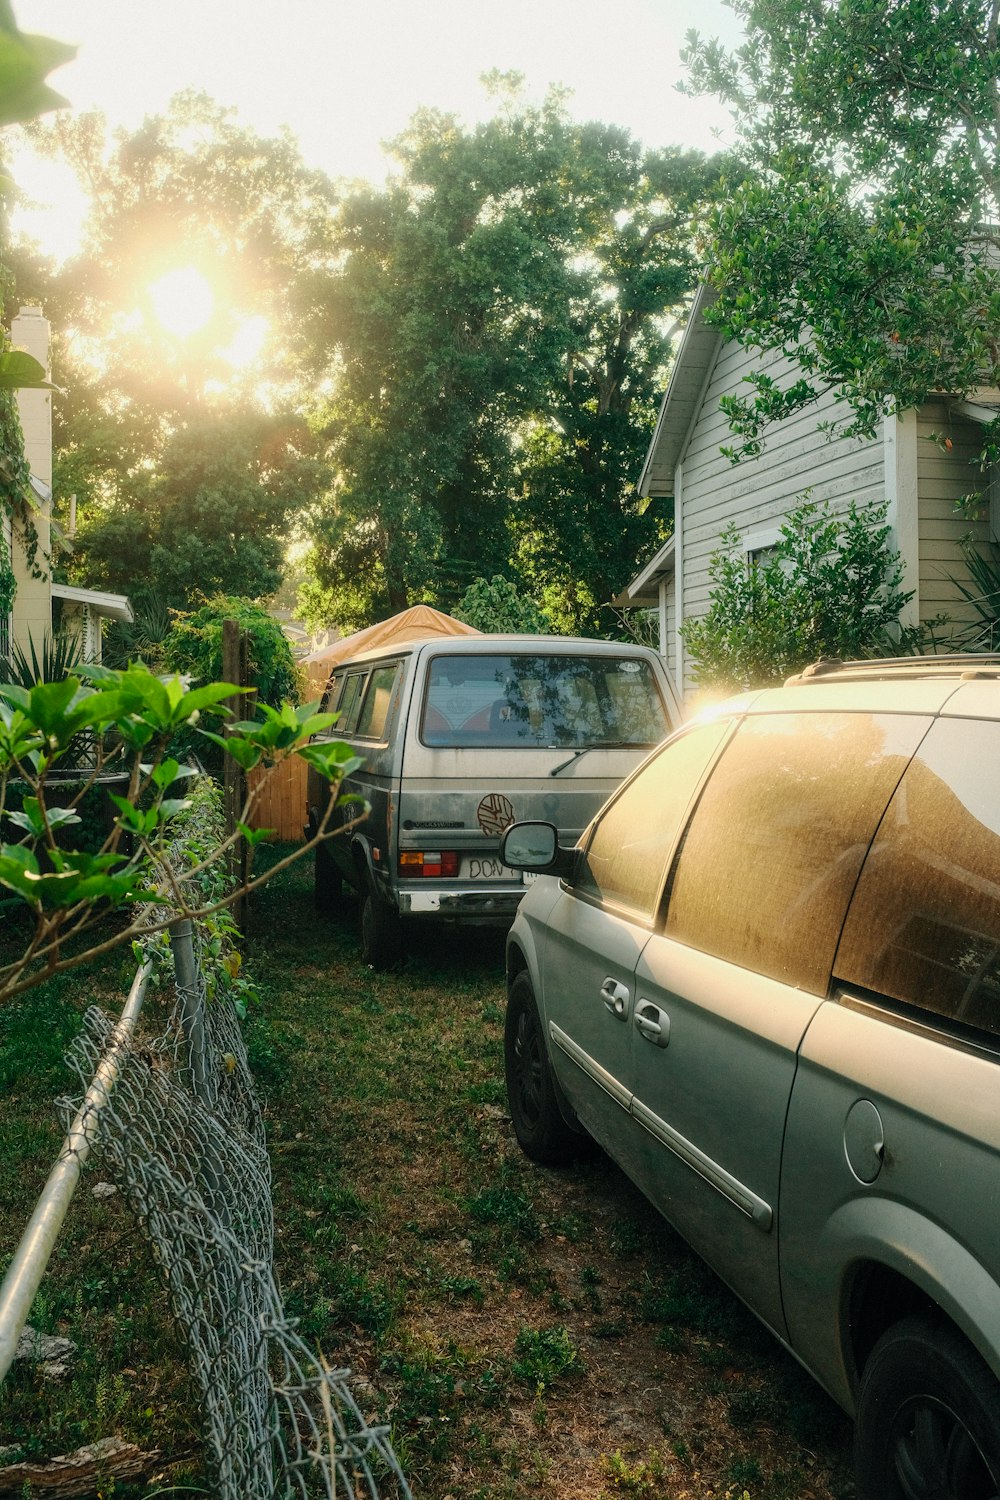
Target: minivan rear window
(924,925)
(531,700)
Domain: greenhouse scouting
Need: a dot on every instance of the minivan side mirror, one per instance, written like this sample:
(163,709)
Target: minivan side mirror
(535,847)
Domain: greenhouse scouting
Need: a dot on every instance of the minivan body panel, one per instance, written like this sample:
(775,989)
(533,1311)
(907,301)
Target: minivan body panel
(938,1164)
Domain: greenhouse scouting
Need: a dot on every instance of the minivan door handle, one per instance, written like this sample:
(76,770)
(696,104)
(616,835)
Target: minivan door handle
(616,998)
(652,1023)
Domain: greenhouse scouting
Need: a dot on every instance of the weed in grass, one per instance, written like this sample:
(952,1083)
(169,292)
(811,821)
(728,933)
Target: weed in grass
(510,1211)
(457,1288)
(490,1091)
(539,1411)
(590,1276)
(754,1407)
(631,1237)
(645,1477)
(670,1338)
(744,1471)
(544,1355)
(492,1014)
(570,1227)
(610,1328)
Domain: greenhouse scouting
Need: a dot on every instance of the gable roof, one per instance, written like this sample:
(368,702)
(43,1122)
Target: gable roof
(695,358)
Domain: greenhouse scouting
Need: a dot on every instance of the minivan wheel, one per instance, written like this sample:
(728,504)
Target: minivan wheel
(328,887)
(541,1131)
(928,1425)
(380,931)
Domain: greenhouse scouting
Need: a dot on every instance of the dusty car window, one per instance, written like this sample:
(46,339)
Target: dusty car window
(349,702)
(521,701)
(924,926)
(773,850)
(628,852)
(375,709)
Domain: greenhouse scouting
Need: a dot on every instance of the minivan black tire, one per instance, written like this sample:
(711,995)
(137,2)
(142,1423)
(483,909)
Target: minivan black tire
(328,887)
(542,1132)
(928,1423)
(381,936)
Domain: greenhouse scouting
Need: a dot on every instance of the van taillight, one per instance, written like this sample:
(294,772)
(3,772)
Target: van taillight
(432,863)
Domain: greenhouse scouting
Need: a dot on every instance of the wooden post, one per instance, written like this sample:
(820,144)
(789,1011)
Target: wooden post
(234,669)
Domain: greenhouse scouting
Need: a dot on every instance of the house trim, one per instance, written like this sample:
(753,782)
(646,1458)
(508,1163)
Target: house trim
(899,442)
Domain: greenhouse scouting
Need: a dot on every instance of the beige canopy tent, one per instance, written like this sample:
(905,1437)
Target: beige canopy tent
(411,625)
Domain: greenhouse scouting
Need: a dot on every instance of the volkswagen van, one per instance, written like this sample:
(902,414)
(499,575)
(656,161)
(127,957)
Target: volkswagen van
(460,737)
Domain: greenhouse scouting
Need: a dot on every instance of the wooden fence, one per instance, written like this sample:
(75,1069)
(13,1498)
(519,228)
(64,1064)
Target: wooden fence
(282,801)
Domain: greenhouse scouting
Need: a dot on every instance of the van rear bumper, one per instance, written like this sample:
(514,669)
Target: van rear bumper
(496,904)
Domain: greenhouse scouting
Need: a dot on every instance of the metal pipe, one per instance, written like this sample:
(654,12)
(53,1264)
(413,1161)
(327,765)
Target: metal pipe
(24,1275)
(188,981)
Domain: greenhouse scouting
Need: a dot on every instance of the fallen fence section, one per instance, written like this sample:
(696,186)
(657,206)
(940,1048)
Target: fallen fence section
(178,1127)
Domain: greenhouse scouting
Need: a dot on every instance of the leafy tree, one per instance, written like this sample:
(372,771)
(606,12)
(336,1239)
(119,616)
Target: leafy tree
(498,322)
(186,455)
(862,241)
(830,587)
(494,604)
(213,515)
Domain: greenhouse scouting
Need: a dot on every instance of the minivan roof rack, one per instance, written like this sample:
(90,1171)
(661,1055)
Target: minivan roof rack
(879,668)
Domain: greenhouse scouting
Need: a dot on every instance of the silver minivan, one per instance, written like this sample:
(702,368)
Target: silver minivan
(767,981)
(460,737)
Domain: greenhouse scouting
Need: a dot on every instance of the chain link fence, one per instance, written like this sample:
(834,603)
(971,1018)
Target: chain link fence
(172,1112)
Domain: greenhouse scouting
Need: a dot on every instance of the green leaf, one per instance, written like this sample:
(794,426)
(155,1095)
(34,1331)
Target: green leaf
(20,371)
(25,60)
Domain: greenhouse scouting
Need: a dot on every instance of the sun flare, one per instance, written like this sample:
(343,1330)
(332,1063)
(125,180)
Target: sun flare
(182,301)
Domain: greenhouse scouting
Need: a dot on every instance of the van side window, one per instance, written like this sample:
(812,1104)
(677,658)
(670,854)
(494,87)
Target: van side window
(924,925)
(627,857)
(328,703)
(350,702)
(375,709)
(771,855)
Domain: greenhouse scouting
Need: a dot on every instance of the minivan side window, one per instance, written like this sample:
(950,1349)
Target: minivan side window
(375,709)
(772,853)
(626,859)
(924,925)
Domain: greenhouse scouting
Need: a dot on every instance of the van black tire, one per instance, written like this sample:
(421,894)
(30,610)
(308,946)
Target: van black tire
(381,932)
(928,1424)
(328,887)
(541,1131)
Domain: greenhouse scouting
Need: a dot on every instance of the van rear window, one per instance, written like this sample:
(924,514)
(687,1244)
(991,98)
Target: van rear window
(529,701)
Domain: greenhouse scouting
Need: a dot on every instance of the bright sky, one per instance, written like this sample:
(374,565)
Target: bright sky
(345,75)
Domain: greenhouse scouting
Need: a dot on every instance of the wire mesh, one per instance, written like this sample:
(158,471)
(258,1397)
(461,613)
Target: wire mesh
(183,1138)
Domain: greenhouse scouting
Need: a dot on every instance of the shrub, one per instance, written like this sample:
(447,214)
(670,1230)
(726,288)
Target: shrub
(194,647)
(830,587)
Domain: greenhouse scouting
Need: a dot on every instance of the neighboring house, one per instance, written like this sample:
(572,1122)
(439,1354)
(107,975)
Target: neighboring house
(918,477)
(82,610)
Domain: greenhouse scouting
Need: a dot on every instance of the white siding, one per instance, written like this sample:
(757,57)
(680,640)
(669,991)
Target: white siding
(944,476)
(759,492)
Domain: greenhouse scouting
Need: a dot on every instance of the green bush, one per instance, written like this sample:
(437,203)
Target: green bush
(194,647)
(829,587)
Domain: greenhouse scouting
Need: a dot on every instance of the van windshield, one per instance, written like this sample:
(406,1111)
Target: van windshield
(542,700)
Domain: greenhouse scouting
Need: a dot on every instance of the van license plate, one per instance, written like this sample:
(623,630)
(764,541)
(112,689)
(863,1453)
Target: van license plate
(483,867)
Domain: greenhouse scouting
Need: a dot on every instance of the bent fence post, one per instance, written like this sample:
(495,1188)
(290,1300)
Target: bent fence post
(26,1270)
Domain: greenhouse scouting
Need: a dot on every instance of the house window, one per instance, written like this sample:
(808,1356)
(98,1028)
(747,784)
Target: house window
(759,545)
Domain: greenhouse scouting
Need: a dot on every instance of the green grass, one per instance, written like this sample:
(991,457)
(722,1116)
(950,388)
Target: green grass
(499,1316)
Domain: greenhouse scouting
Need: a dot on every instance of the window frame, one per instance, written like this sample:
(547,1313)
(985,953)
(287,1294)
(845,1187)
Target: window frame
(394,665)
